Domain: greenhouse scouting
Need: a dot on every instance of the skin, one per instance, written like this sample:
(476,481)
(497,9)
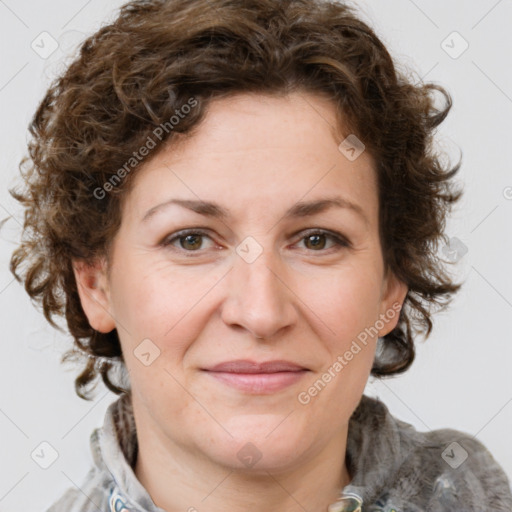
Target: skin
(256,156)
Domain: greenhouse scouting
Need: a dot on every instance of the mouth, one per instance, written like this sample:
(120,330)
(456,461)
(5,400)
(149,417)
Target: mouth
(257,378)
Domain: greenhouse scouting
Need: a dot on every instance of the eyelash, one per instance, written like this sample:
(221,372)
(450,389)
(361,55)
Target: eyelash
(339,240)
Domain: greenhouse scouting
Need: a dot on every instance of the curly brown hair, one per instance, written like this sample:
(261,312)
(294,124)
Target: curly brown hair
(133,75)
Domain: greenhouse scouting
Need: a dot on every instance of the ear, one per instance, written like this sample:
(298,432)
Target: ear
(93,289)
(394,292)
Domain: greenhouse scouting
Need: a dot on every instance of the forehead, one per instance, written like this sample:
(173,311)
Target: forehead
(261,150)
(301,121)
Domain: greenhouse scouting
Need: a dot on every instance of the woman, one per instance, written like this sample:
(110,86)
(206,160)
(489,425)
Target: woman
(236,206)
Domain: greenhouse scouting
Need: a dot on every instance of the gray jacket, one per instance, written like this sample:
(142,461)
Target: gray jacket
(394,468)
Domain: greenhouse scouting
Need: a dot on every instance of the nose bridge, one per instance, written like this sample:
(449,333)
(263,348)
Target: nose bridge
(258,299)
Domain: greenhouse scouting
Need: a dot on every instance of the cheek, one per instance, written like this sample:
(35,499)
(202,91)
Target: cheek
(349,306)
(143,297)
(347,301)
(163,303)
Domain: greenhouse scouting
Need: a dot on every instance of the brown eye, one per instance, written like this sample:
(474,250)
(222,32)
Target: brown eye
(315,241)
(191,242)
(188,241)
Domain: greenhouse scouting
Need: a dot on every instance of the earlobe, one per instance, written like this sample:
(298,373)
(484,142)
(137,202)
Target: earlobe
(94,293)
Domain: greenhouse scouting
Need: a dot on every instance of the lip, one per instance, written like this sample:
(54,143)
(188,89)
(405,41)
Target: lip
(248,366)
(257,378)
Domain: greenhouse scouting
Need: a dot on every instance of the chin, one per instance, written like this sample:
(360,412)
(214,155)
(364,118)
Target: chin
(253,460)
(258,445)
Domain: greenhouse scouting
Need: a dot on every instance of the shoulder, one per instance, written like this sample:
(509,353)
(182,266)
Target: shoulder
(450,468)
(470,465)
(91,496)
(408,470)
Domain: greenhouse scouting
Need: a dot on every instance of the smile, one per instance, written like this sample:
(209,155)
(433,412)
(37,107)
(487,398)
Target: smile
(258,383)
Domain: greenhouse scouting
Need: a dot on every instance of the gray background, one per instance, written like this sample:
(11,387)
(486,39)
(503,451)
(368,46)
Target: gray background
(462,376)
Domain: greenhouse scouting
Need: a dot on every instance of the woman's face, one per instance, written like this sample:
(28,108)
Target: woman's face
(281,261)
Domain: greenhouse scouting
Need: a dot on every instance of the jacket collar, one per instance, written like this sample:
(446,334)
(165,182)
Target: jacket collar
(373,436)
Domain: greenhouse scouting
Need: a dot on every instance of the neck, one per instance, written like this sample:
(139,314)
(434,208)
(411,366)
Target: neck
(178,479)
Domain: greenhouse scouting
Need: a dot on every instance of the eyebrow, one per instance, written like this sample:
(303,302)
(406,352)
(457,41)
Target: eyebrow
(300,209)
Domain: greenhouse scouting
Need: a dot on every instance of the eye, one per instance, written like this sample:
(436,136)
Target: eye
(192,240)
(315,240)
(188,240)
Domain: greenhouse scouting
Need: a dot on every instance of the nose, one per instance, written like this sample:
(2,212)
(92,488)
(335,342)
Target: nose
(259,298)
